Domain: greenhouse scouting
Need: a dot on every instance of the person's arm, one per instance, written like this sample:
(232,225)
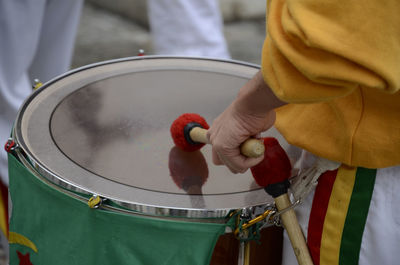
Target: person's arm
(313,52)
(251,113)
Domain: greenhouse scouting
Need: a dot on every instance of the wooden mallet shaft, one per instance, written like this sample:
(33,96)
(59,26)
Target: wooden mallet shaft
(293,230)
(251,147)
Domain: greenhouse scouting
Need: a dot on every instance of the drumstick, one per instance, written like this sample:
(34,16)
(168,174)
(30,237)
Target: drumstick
(272,174)
(189,132)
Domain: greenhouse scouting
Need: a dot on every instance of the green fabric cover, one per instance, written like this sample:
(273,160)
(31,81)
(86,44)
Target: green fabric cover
(66,231)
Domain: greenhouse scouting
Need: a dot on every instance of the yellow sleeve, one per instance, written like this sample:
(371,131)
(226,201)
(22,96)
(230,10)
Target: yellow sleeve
(320,50)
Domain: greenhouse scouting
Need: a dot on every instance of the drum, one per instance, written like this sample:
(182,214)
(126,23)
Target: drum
(99,136)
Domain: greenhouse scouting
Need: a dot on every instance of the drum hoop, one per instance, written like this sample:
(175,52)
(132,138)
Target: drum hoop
(129,209)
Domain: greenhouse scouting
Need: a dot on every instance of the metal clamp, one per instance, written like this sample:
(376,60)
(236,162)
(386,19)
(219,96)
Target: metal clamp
(95,201)
(276,216)
(270,216)
(248,220)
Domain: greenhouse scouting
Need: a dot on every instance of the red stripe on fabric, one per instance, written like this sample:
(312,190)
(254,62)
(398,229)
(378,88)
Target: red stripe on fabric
(318,213)
(4,201)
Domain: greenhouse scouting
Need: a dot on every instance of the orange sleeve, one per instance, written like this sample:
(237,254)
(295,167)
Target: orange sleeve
(318,51)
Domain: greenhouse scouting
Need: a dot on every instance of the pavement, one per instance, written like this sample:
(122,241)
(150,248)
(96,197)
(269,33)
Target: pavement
(104,35)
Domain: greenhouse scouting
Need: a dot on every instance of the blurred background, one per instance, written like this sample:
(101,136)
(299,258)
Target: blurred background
(119,28)
(106,30)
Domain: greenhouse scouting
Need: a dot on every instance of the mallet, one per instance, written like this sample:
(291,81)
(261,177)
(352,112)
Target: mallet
(273,174)
(189,132)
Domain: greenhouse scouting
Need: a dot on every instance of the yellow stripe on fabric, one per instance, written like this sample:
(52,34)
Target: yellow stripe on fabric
(336,215)
(3,215)
(15,238)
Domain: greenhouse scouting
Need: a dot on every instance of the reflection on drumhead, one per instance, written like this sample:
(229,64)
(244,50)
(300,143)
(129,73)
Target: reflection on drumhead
(188,170)
(119,135)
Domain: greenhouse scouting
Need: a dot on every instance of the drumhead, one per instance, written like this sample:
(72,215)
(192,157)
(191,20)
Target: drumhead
(104,129)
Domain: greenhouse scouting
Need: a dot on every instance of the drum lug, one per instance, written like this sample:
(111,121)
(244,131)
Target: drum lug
(241,232)
(244,235)
(95,201)
(10,146)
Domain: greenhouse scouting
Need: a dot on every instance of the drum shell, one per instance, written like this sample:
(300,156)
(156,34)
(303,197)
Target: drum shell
(226,251)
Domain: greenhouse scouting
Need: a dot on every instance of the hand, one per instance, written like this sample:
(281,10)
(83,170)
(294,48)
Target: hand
(230,130)
(251,113)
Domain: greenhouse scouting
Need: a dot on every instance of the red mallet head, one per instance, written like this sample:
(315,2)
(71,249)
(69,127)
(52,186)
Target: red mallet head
(180,130)
(275,168)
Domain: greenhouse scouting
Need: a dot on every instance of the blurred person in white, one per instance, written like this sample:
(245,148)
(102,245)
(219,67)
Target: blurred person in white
(188,28)
(37,41)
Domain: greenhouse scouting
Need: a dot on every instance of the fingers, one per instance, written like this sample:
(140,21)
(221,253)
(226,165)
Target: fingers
(236,163)
(229,131)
